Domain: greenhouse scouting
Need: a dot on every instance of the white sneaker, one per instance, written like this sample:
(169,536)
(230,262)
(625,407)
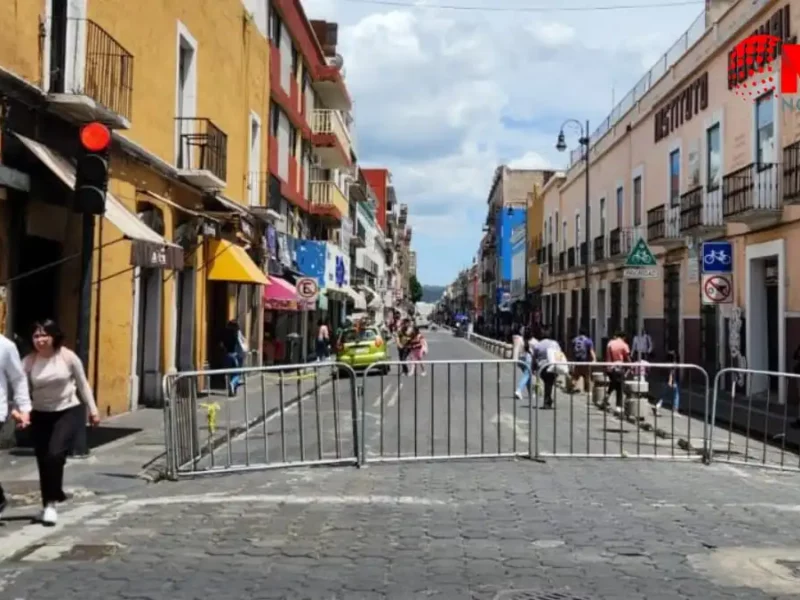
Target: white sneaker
(517,395)
(49,515)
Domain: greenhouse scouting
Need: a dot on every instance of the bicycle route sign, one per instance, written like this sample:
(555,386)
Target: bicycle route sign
(717,289)
(717,257)
(641,262)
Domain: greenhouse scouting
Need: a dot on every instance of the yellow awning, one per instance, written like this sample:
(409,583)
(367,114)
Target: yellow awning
(230,262)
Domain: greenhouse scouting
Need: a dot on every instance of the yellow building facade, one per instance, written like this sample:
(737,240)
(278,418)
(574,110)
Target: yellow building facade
(184,86)
(684,160)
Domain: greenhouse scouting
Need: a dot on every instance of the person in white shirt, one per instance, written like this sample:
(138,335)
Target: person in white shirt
(61,397)
(12,377)
(642,346)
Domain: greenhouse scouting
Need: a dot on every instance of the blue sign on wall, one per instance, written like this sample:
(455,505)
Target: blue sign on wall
(310,256)
(717,257)
(510,219)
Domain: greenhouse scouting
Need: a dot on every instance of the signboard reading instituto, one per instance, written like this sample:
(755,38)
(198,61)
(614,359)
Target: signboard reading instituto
(685,105)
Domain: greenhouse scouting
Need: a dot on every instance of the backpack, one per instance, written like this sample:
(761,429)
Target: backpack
(556,357)
(579,348)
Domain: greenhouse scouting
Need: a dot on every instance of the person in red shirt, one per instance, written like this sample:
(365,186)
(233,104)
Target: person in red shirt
(617,351)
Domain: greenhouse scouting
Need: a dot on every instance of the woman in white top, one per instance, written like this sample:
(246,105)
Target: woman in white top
(61,397)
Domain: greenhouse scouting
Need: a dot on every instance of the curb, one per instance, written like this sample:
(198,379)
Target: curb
(158,472)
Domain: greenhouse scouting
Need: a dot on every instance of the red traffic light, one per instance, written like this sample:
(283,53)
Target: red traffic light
(95,137)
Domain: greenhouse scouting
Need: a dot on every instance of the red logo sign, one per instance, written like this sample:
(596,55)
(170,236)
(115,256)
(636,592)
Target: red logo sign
(751,71)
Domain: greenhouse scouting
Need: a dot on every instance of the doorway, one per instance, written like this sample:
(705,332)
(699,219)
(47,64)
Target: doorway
(771,289)
(672,309)
(601,333)
(765,310)
(34,296)
(615,320)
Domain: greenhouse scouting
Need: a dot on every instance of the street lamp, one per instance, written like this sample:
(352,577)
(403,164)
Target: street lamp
(561,146)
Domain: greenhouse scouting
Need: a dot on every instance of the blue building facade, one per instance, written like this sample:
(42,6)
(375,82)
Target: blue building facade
(509,220)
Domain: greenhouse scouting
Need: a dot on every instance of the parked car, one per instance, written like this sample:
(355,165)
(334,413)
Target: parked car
(422,322)
(360,348)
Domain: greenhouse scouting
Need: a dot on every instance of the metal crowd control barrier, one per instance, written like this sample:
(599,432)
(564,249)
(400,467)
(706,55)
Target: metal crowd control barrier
(494,346)
(278,417)
(634,426)
(762,428)
(443,410)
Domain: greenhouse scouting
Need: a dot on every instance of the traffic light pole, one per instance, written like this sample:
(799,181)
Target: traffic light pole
(81,446)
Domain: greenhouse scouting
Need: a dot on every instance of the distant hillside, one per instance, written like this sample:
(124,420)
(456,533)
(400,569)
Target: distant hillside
(432,293)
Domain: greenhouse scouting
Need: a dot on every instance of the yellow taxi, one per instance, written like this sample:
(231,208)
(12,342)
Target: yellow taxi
(360,347)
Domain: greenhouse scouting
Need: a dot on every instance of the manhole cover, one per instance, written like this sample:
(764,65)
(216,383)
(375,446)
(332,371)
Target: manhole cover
(537,595)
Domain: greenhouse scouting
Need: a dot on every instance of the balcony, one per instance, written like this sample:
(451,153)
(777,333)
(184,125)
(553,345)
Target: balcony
(699,216)
(359,239)
(328,82)
(791,174)
(328,201)
(751,195)
(91,76)
(562,262)
(583,258)
(599,249)
(403,214)
(664,226)
(571,258)
(331,139)
(621,241)
(202,153)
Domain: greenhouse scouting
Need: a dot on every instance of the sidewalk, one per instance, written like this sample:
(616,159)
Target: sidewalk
(128,450)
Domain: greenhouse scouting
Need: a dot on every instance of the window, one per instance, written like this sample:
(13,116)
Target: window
(602,216)
(713,158)
(577,230)
(620,206)
(274,119)
(557,222)
(564,235)
(675,178)
(295,61)
(637,200)
(274,26)
(765,130)
(292,140)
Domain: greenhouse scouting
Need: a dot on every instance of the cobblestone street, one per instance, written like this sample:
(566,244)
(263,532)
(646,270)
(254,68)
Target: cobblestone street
(596,530)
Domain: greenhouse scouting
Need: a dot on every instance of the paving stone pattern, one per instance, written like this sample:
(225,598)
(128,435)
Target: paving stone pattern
(602,530)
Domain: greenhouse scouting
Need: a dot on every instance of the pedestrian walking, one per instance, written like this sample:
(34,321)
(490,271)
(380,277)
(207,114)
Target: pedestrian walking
(642,346)
(583,352)
(323,343)
(672,392)
(417,350)
(525,363)
(12,377)
(61,397)
(617,351)
(548,351)
(403,339)
(233,346)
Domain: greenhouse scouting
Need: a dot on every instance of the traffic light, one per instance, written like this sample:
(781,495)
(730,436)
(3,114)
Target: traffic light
(91,175)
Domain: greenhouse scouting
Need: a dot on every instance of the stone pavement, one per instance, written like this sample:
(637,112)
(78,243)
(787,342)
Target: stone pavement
(587,529)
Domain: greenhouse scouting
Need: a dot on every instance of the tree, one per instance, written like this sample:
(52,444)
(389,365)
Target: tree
(415,288)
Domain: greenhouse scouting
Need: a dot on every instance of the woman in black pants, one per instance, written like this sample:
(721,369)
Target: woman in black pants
(61,398)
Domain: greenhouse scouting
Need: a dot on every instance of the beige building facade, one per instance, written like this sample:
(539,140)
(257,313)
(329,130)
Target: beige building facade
(683,160)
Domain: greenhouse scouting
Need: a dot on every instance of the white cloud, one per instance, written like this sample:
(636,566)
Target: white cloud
(443,97)
(553,34)
(531,160)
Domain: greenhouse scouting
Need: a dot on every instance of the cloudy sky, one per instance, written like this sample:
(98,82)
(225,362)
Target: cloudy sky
(442,96)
